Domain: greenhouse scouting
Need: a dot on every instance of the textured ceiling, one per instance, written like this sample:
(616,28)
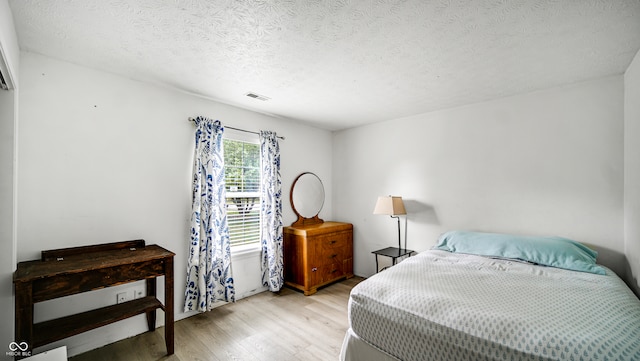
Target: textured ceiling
(339,63)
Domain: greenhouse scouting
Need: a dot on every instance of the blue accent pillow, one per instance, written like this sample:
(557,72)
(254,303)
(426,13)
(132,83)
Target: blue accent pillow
(549,251)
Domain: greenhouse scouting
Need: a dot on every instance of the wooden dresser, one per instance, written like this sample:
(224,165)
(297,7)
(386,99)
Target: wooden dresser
(318,254)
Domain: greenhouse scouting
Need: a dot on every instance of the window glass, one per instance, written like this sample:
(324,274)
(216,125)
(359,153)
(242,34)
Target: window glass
(242,180)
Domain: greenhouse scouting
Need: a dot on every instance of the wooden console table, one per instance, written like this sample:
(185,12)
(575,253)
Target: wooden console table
(64,272)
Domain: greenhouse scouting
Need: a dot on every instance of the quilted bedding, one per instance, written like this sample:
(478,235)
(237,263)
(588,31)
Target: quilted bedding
(444,306)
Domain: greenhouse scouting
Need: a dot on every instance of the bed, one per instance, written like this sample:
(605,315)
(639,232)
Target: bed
(483,296)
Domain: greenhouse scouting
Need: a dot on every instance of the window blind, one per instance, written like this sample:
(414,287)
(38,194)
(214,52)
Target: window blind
(242,180)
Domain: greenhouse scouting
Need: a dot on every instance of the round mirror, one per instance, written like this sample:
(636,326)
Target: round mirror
(307,198)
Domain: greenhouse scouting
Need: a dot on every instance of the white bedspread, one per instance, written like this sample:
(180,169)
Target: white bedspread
(443,306)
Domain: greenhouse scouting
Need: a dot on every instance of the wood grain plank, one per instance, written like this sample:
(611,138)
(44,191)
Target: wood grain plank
(267,326)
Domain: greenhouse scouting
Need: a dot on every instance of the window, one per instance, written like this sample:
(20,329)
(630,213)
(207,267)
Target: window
(242,182)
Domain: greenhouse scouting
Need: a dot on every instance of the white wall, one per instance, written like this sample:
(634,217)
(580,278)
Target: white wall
(548,163)
(7,240)
(632,165)
(103,158)
(9,57)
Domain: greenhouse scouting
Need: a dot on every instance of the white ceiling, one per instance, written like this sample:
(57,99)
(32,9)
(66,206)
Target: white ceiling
(339,63)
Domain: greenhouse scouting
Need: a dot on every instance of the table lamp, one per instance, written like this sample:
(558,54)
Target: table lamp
(392,206)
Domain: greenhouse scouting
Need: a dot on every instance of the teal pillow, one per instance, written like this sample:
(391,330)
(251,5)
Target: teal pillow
(549,251)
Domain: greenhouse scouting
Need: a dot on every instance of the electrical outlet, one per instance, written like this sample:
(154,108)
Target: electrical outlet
(138,293)
(121,297)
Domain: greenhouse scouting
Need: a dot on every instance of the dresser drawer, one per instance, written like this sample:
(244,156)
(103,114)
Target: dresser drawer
(328,272)
(325,256)
(333,240)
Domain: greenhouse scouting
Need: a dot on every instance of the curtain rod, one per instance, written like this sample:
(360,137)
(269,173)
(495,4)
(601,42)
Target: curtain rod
(241,130)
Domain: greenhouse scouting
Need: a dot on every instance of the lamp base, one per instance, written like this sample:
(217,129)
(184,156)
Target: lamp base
(399,243)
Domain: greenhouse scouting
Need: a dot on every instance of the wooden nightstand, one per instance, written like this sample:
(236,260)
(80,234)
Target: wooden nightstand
(393,252)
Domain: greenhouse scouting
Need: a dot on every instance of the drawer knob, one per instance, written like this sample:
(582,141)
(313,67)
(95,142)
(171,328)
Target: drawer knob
(334,271)
(314,269)
(334,255)
(333,242)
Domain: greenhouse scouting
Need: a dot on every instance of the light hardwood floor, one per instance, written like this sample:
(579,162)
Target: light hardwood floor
(267,326)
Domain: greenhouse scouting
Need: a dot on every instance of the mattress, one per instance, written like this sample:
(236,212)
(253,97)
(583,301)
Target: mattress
(439,305)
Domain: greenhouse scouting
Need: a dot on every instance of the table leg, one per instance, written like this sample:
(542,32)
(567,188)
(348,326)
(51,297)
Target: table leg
(151,291)
(377,268)
(168,305)
(24,317)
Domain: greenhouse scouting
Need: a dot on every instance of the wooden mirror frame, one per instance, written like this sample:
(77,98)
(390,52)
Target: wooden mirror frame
(304,221)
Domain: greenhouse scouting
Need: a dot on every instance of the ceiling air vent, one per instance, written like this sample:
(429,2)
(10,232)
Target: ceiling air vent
(257,96)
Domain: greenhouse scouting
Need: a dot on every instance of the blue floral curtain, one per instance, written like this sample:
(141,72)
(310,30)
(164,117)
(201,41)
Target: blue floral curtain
(271,212)
(209,277)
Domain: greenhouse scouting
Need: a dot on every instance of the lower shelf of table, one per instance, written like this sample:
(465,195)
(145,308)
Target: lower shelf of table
(60,328)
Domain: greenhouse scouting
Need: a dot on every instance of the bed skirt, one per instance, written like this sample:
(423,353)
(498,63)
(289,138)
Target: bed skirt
(355,349)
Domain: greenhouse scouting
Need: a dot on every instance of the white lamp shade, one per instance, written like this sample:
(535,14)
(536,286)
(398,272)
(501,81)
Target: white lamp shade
(389,205)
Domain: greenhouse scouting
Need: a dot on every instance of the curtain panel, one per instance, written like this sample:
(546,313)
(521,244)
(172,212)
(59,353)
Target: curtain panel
(271,212)
(209,276)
